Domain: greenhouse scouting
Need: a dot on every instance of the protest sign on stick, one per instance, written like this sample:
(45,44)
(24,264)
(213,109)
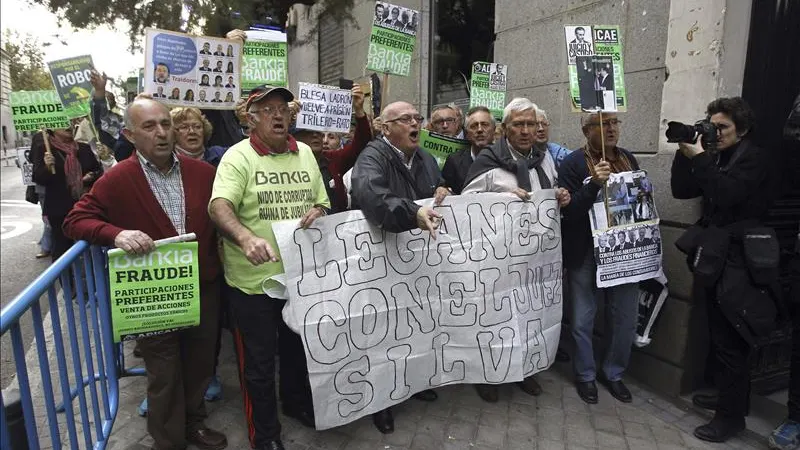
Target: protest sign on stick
(264,60)
(25,165)
(324,108)
(71,77)
(595,65)
(488,87)
(440,146)
(154,293)
(393,37)
(32,110)
(383,315)
(627,240)
(186,70)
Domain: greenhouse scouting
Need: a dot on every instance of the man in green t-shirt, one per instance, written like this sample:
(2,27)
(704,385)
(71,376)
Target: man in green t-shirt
(266,178)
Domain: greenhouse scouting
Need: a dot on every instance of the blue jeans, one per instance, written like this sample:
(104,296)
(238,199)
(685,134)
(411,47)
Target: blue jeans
(621,313)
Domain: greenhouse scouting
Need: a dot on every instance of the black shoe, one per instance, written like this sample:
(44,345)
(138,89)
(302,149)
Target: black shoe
(618,390)
(562,356)
(273,445)
(587,390)
(304,417)
(426,395)
(719,429)
(384,421)
(530,386)
(706,401)
(488,392)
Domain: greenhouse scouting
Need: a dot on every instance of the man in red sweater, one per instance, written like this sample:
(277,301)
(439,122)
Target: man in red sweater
(334,163)
(152,196)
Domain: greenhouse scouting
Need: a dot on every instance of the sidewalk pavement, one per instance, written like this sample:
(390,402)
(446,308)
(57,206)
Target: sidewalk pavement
(459,419)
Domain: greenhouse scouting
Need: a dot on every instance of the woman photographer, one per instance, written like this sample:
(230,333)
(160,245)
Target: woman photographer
(721,249)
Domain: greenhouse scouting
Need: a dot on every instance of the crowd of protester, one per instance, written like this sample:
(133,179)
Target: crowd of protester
(188,170)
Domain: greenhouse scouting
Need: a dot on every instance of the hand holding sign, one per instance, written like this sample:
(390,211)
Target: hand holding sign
(601,172)
(134,242)
(358,101)
(428,219)
(98,83)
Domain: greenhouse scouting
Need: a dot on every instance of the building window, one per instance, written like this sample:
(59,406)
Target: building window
(331,51)
(463,32)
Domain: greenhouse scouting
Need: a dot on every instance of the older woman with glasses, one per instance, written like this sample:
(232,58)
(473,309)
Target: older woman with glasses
(192,132)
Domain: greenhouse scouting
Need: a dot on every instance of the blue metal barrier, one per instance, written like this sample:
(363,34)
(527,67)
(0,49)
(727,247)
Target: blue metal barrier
(89,363)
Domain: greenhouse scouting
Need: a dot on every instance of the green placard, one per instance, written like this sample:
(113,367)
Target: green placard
(391,47)
(71,77)
(595,66)
(440,146)
(32,110)
(263,63)
(488,87)
(156,293)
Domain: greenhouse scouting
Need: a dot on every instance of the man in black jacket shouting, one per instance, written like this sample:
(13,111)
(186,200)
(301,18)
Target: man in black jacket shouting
(389,175)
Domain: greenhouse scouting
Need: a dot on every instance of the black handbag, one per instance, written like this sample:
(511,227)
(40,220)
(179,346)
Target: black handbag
(31,196)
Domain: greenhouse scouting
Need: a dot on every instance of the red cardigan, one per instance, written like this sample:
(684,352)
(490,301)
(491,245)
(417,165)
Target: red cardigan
(343,159)
(122,200)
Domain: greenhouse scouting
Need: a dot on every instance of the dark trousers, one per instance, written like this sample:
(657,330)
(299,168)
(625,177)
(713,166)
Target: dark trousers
(179,367)
(732,354)
(259,334)
(794,380)
(60,242)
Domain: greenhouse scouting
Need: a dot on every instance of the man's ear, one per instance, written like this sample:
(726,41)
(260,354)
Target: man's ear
(128,135)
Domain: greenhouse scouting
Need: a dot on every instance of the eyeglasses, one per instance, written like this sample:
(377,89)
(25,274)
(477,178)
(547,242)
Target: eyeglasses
(607,123)
(186,127)
(447,120)
(407,119)
(272,110)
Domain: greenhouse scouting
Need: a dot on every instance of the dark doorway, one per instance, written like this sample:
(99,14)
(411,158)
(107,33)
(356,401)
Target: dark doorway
(771,84)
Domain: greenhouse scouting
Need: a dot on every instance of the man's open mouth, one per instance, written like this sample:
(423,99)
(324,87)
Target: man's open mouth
(414,135)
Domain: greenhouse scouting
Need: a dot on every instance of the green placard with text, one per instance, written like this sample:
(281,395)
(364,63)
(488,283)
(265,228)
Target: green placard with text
(488,87)
(32,110)
(392,41)
(155,293)
(440,146)
(263,62)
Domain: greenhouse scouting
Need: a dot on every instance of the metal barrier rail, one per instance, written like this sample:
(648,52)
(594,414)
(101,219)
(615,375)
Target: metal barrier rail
(84,337)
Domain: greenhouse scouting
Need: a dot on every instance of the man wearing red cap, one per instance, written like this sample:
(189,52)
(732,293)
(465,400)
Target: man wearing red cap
(266,178)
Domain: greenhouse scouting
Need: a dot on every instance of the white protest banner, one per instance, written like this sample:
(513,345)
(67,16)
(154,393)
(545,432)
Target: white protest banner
(627,241)
(186,70)
(324,108)
(384,316)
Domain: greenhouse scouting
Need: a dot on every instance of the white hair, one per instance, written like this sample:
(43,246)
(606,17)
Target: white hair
(541,114)
(518,104)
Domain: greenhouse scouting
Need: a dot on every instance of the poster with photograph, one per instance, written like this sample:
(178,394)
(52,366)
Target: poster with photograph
(594,63)
(488,87)
(185,70)
(393,37)
(627,240)
(264,60)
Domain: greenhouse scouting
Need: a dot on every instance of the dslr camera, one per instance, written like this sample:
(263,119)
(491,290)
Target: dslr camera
(680,132)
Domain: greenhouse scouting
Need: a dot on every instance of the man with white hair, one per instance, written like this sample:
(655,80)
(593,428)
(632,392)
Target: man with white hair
(515,164)
(542,139)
